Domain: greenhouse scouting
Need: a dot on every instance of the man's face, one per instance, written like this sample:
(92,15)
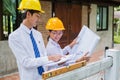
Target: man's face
(34,19)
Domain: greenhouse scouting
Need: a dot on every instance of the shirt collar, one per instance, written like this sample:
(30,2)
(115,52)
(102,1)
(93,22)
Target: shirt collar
(53,42)
(25,28)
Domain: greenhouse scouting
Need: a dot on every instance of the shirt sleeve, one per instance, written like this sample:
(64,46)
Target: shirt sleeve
(22,56)
(66,50)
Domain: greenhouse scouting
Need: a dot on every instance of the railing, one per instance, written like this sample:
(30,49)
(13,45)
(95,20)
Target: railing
(110,65)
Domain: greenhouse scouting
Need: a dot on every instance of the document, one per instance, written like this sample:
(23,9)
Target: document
(63,59)
(87,42)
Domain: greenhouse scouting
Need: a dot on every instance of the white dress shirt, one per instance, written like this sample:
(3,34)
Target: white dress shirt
(54,48)
(21,46)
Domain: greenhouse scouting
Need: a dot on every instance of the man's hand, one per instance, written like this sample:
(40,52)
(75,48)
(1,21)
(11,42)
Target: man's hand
(55,57)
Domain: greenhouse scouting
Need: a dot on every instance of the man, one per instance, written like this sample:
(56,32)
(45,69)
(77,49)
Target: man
(27,43)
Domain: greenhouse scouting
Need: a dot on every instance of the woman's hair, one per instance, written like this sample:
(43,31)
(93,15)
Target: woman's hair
(24,13)
(48,35)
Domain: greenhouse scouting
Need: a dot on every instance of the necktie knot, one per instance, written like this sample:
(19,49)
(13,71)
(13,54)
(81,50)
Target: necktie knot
(31,34)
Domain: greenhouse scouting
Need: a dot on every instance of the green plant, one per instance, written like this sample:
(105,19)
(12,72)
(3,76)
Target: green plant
(117,39)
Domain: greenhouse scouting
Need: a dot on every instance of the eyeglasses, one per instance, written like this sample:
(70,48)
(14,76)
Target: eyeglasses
(57,33)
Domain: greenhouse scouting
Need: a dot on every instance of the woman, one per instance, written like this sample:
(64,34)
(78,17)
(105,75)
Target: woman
(55,28)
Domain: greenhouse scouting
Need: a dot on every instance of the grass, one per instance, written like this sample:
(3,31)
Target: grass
(117,34)
(117,39)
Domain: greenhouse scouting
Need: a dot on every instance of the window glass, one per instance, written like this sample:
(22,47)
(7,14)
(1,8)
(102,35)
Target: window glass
(102,18)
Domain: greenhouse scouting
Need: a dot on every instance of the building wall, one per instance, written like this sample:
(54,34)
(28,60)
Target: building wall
(1,20)
(7,59)
(47,7)
(85,15)
(106,36)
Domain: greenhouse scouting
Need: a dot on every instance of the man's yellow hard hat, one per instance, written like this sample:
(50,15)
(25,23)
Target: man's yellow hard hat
(30,5)
(54,24)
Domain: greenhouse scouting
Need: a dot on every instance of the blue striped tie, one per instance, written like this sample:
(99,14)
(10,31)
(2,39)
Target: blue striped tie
(36,51)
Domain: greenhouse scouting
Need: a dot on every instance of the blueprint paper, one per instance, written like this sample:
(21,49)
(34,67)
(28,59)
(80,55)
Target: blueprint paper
(63,59)
(87,41)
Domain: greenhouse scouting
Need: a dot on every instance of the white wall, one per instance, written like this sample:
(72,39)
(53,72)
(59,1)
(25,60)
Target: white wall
(106,36)
(7,59)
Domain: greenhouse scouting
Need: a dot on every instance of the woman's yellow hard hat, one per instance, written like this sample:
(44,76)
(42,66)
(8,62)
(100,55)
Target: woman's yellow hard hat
(30,5)
(54,24)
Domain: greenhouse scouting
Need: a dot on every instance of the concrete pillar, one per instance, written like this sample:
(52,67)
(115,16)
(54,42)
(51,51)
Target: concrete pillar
(112,73)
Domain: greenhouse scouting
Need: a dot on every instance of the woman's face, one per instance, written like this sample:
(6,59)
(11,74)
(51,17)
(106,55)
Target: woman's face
(56,35)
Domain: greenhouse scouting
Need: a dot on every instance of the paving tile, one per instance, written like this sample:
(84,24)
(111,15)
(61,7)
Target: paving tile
(14,76)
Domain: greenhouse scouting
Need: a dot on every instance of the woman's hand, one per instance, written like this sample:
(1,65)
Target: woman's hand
(85,57)
(73,42)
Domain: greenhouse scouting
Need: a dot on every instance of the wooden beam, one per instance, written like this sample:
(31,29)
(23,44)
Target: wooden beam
(1,20)
(104,2)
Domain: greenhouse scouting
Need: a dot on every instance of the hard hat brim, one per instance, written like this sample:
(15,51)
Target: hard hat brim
(41,11)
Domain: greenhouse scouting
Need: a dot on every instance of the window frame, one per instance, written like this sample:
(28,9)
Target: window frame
(101,20)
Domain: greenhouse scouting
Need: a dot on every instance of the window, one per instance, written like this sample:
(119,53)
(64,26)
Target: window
(8,20)
(102,18)
(7,25)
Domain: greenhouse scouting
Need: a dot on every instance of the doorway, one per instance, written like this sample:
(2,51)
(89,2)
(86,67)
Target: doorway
(70,14)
